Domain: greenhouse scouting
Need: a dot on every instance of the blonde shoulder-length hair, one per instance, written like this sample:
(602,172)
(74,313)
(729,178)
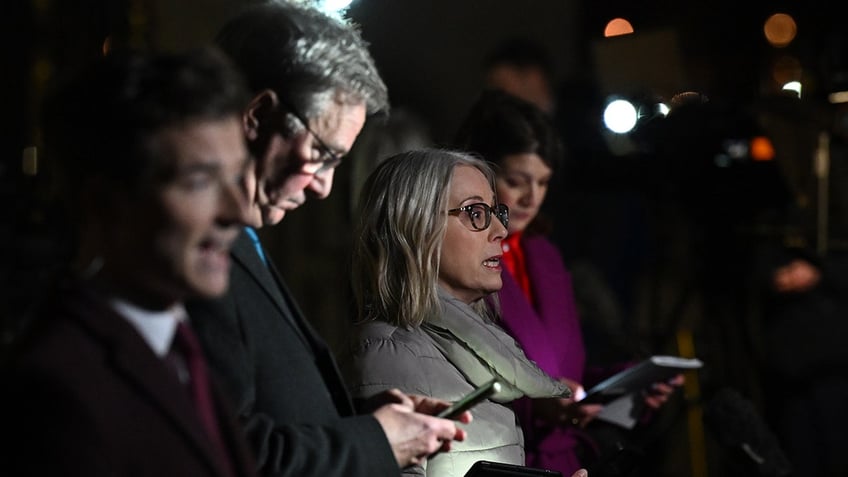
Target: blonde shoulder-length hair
(398,238)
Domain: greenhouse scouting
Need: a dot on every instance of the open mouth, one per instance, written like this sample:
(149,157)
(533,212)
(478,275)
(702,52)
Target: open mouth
(216,251)
(493,262)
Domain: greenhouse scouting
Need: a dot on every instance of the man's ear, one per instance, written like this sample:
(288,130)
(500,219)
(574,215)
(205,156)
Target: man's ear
(258,111)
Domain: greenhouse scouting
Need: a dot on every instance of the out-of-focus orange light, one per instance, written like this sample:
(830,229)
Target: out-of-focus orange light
(780,30)
(617,27)
(107,45)
(761,149)
(785,69)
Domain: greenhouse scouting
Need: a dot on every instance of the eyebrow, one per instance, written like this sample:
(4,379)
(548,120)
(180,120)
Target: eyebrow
(477,198)
(525,175)
(210,166)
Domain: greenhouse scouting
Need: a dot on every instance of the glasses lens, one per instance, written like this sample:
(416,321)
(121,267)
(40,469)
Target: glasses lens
(329,161)
(479,214)
(502,212)
(323,158)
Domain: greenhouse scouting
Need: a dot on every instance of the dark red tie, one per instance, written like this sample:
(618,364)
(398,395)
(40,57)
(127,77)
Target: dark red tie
(187,345)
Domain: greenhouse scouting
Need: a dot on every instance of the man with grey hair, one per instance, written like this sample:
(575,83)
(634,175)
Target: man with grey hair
(313,84)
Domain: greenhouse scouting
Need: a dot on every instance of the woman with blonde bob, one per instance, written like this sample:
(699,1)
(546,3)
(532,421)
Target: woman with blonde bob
(426,257)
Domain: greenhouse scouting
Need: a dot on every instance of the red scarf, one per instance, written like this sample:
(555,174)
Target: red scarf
(513,259)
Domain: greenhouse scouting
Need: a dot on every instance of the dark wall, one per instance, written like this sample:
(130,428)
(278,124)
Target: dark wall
(430,53)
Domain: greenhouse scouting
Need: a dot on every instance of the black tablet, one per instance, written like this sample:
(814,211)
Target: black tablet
(484,468)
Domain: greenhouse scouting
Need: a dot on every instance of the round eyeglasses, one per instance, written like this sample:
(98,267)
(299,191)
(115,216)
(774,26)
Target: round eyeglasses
(480,214)
(326,158)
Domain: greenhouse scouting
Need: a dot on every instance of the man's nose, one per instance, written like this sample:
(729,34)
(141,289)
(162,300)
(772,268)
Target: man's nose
(321,184)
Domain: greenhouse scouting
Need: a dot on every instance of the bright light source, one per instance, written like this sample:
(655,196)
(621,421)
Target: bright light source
(663,109)
(761,149)
(334,7)
(620,116)
(617,27)
(793,86)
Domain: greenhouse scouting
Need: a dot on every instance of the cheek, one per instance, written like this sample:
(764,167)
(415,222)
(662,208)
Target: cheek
(460,249)
(543,192)
(270,166)
(187,220)
(454,269)
(451,245)
(249,182)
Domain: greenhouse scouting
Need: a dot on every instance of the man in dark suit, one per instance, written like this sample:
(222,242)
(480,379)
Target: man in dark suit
(313,84)
(109,380)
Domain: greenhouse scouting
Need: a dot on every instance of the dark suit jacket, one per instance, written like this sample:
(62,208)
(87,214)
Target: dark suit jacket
(85,395)
(289,394)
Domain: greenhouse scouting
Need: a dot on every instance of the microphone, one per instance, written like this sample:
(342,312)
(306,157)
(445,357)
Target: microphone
(735,423)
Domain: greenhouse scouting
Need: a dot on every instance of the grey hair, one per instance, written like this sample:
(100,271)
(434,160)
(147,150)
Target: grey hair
(305,56)
(399,235)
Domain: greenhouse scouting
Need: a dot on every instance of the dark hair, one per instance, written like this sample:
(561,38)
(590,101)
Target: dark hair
(304,56)
(499,125)
(520,53)
(103,122)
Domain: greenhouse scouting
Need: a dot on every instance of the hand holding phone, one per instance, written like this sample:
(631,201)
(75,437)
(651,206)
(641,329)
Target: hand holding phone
(471,399)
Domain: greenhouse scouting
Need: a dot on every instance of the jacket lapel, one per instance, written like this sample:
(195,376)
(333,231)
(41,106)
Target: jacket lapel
(269,280)
(266,277)
(134,361)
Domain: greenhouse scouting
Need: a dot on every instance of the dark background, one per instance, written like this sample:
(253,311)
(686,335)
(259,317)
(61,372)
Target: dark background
(668,244)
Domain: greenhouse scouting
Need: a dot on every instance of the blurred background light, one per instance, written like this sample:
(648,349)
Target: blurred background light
(620,116)
(761,149)
(736,148)
(785,69)
(29,161)
(793,86)
(838,97)
(618,27)
(107,45)
(780,30)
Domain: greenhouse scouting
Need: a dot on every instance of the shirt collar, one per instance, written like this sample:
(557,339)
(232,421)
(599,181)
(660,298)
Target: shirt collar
(157,328)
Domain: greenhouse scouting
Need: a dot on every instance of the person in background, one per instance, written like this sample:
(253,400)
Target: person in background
(109,380)
(802,277)
(427,254)
(522,68)
(537,301)
(313,83)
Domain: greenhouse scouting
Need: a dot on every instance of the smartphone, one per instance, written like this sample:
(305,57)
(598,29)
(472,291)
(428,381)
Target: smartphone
(484,468)
(471,399)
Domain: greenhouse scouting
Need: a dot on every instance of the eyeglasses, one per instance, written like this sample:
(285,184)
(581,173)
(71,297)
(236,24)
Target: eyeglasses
(327,159)
(480,214)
